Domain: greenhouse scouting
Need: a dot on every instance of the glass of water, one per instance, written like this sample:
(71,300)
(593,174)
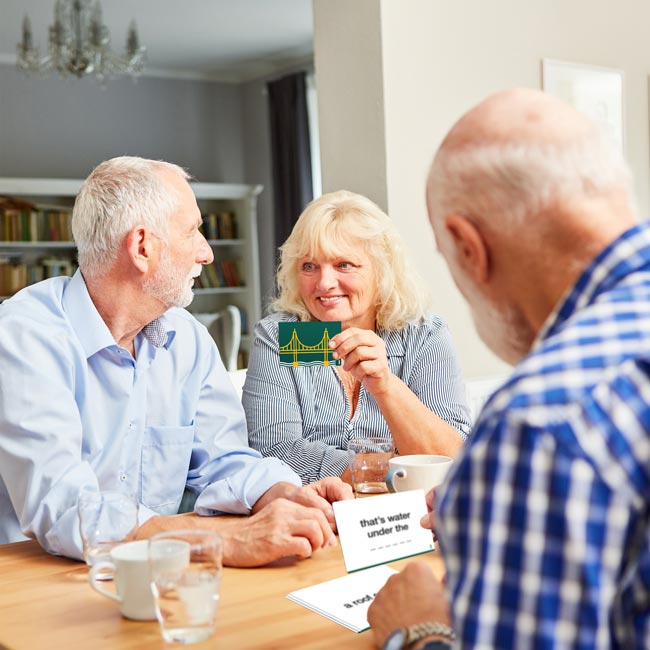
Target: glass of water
(106,519)
(186,597)
(368,459)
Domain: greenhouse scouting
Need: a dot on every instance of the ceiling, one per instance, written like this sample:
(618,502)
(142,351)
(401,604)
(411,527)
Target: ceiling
(220,40)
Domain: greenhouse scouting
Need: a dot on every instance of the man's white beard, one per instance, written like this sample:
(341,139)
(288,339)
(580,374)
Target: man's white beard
(503,329)
(170,285)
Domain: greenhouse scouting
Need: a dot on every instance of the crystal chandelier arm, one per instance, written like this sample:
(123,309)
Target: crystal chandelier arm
(27,43)
(136,54)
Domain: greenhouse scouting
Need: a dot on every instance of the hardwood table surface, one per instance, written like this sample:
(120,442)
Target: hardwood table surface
(46,602)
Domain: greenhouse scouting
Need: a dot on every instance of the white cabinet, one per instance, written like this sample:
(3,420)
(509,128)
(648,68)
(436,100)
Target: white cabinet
(239,253)
(233,281)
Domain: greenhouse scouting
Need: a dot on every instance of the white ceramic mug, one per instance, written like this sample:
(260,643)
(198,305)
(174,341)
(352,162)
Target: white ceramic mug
(129,565)
(417,472)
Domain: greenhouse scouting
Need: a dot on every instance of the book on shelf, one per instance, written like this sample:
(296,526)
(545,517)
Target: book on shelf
(227,225)
(232,280)
(31,225)
(220,225)
(16,275)
(243,318)
(221,273)
(55,266)
(242,359)
(209,227)
(239,267)
(13,276)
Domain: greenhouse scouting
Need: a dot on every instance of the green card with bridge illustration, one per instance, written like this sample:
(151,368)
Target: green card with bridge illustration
(307,344)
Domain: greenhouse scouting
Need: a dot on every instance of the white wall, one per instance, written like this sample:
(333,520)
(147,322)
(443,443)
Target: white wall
(436,60)
(347,61)
(413,129)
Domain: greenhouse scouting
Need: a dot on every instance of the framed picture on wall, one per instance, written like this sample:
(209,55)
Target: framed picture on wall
(593,90)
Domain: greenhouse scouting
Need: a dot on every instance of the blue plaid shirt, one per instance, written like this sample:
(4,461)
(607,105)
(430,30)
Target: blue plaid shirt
(544,521)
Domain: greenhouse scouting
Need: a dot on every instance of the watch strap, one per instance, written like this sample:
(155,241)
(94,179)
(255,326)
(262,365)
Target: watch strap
(420,630)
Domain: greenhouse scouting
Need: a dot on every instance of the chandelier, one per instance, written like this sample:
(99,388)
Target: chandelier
(79,45)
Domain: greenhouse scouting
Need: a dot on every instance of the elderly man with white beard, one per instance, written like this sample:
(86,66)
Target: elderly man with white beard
(107,383)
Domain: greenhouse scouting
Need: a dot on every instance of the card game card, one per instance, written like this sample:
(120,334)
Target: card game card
(307,344)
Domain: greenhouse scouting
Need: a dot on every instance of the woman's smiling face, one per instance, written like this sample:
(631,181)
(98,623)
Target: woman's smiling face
(341,288)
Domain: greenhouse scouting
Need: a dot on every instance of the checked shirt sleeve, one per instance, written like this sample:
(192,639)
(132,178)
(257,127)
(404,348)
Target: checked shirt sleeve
(543,521)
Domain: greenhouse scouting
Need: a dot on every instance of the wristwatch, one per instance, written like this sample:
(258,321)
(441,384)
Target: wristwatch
(405,637)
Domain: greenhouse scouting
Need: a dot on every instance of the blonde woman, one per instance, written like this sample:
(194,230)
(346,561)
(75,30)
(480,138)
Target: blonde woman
(345,261)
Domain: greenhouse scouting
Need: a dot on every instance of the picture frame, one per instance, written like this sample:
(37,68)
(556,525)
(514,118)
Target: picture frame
(594,90)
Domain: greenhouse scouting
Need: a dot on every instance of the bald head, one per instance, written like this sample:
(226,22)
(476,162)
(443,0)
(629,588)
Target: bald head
(518,152)
(515,116)
(523,193)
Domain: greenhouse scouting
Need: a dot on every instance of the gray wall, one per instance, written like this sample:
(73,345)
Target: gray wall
(61,128)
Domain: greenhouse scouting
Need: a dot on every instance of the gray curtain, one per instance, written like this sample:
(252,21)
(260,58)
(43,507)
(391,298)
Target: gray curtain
(290,151)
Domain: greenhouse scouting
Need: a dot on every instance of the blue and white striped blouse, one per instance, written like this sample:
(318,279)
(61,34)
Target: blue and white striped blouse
(301,415)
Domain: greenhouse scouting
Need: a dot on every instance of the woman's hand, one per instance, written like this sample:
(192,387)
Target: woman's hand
(364,357)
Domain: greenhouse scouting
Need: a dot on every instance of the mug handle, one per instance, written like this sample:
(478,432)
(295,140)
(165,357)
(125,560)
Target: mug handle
(94,569)
(390,477)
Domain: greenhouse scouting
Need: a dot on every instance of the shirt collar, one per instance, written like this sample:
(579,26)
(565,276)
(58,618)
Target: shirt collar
(88,325)
(628,253)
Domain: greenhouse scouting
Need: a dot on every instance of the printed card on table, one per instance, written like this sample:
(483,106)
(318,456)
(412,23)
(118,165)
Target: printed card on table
(345,600)
(382,528)
(307,344)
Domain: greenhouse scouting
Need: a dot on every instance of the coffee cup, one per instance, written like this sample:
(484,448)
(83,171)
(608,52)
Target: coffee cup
(417,472)
(129,566)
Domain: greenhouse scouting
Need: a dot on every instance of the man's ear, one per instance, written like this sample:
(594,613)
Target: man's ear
(140,246)
(471,248)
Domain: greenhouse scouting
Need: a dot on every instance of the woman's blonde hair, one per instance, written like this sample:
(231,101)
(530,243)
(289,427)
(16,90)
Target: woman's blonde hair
(340,221)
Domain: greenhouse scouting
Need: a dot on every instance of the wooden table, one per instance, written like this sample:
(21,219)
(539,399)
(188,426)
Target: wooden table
(46,602)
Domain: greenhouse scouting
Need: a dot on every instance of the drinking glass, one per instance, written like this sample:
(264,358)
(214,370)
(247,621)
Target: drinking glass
(186,597)
(369,463)
(106,519)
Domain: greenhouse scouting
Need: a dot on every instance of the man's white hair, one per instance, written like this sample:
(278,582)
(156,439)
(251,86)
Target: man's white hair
(119,194)
(516,179)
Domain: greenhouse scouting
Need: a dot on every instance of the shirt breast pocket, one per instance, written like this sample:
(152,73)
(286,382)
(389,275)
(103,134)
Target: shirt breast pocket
(166,453)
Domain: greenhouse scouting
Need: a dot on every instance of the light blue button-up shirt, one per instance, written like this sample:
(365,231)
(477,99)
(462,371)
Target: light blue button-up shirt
(78,411)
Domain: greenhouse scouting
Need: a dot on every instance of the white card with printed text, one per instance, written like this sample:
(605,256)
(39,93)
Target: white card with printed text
(383,528)
(345,600)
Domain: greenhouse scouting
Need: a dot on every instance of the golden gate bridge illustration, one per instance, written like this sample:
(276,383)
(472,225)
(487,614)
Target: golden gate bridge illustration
(296,348)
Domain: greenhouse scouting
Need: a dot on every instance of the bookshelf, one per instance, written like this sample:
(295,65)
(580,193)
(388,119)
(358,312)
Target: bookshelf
(230,225)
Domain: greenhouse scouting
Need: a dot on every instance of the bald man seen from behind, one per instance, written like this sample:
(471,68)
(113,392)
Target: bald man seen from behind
(544,521)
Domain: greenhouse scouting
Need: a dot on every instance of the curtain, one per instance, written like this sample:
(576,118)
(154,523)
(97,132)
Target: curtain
(290,151)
